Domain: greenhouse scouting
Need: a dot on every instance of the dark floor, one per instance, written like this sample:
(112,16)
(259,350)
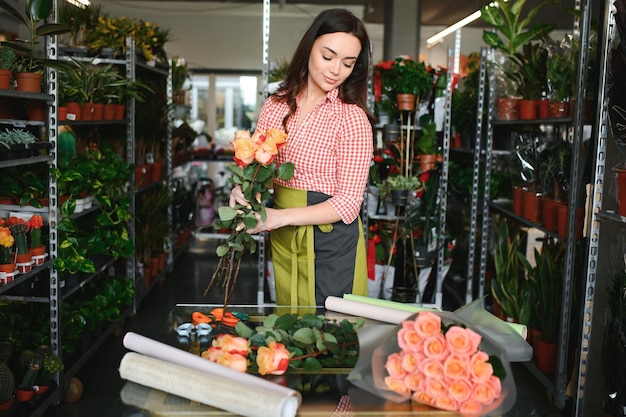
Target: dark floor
(186,284)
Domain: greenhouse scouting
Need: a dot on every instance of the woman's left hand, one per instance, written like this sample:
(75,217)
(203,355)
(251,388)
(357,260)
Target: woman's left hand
(273,220)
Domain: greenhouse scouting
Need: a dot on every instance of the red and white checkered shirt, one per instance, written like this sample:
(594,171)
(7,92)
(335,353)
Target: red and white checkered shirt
(331,150)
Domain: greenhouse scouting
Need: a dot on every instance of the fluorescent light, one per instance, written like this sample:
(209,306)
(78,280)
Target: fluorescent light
(80,3)
(465,21)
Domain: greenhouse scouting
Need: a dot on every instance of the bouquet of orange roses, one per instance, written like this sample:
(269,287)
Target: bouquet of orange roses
(435,358)
(254,171)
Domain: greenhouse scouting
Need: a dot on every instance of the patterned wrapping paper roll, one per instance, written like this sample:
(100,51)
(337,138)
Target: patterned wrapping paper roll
(218,385)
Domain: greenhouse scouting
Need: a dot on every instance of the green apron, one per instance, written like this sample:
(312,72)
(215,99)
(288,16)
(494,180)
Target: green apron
(313,262)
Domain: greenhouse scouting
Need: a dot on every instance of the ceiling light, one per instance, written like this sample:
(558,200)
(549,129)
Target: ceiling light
(452,28)
(83,4)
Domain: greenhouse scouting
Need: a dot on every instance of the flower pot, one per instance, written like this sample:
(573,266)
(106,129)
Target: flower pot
(620,187)
(545,355)
(157,171)
(400,198)
(549,213)
(7,405)
(531,209)
(36,110)
(5,79)
(8,267)
(98,111)
(23,262)
(404,295)
(423,257)
(507,108)
(62,113)
(120,111)
(42,389)
(562,218)
(86,111)
(559,109)
(428,162)
(518,201)
(528,109)
(24,395)
(543,109)
(73,110)
(28,81)
(406,102)
(109,111)
(37,251)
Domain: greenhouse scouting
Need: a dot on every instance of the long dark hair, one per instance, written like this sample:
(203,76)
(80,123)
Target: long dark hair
(354,89)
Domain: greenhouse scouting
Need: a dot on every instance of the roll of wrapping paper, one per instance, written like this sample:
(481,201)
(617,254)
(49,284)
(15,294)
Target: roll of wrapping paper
(520,329)
(366,310)
(247,385)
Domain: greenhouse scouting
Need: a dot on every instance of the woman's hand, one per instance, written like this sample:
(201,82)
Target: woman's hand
(236,197)
(273,220)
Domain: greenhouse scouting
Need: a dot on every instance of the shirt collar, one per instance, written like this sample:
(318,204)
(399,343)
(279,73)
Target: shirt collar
(332,95)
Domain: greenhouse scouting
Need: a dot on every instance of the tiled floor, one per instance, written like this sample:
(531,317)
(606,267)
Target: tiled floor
(101,381)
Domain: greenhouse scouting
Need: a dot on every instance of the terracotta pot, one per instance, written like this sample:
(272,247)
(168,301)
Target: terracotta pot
(545,355)
(120,111)
(559,109)
(73,110)
(36,110)
(549,214)
(518,201)
(7,267)
(507,108)
(157,171)
(620,187)
(24,395)
(428,162)
(28,81)
(406,102)
(562,218)
(528,109)
(109,111)
(39,250)
(42,389)
(7,200)
(24,262)
(87,111)
(62,113)
(543,109)
(531,209)
(5,79)
(7,405)
(98,111)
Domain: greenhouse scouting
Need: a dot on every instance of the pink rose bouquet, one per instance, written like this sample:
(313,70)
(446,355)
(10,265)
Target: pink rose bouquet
(254,171)
(437,359)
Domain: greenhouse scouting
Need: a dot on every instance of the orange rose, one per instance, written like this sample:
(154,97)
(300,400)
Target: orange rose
(460,390)
(484,393)
(432,368)
(397,385)
(231,360)
(278,136)
(273,359)
(244,148)
(480,370)
(470,408)
(427,324)
(394,366)
(435,347)
(410,361)
(422,397)
(455,367)
(435,387)
(266,151)
(415,381)
(462,341)
(408,338)
(446,403)
(231,344)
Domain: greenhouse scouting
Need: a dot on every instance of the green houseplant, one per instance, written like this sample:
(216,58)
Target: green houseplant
(36,13)
(409,77)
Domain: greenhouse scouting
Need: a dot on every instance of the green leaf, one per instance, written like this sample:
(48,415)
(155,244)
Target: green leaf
(226,213)
(9,8)
(286,321)
(222,250)
(304,336)
(312,365)
(285,171)
(39,9)
(243,330)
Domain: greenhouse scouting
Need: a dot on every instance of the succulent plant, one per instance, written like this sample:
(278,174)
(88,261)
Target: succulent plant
(33,364)
(7,383)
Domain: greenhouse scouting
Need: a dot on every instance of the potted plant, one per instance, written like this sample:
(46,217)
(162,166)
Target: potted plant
(561,76)
(7,264)
(513,29)
(36,13)
(52,364)
(80,21)
(554,172)
(400,187)
(531,78)
(14,142)
(427,144)
(547,276)
(7,62)
(421,221)
(410,80)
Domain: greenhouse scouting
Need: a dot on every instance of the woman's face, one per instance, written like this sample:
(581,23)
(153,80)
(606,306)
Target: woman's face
(332,60)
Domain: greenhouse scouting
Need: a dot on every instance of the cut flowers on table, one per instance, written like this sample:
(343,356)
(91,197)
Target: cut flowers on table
(288,343)
(254,171)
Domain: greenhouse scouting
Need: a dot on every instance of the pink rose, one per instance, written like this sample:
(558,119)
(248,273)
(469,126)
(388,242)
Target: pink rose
(408,338)
(423,398)
(470,408)
(446,403)
(432,368)
(244,147)
(456,367)
(265,152)
(397,385)
(394,365)
(231,360)
(484,393)
(480,369)
(435,387)
(462,341)
(272,359)
(435,347)
(496,384)
(410,361)
(415,381)
(460,390)
(427,324)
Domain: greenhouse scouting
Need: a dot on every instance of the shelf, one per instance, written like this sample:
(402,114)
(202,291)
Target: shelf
(69,291)
(21,123)
(612,216)
(507,209)
(93,122)
(20,278)
(534,122)
(26,96)
(26,161)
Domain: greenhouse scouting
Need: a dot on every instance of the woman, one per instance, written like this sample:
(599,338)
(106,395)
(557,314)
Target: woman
(316,235)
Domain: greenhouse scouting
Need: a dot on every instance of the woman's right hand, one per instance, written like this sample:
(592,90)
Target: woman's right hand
(236,197)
